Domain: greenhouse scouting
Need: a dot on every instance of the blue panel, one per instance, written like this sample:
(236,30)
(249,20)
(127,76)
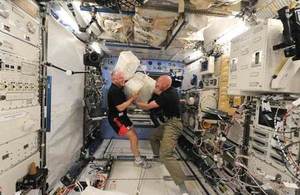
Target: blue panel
(48,103)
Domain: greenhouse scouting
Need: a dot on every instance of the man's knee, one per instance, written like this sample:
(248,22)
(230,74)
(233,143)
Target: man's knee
(153,138)
(165,152)
(131,134)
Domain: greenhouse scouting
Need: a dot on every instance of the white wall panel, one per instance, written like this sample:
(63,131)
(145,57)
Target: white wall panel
(189,71)
(65,139)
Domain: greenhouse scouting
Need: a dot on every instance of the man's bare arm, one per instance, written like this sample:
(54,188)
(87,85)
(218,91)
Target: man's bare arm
(125,105)
(147,106)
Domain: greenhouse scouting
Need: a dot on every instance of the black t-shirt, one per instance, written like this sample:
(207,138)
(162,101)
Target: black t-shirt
(169,102)
(115,97)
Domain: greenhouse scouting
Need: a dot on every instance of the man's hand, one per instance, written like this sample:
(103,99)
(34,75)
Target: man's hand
(135,96)
(126,104)
(139,103)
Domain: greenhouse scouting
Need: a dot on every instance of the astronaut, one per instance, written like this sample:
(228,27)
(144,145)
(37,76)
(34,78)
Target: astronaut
(164,139)
(117,115)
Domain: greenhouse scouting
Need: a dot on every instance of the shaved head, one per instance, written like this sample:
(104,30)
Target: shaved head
(117,78)
(163,83)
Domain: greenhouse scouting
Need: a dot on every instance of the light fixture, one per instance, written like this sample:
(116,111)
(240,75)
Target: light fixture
(96,47)
(232,33)
(66,20)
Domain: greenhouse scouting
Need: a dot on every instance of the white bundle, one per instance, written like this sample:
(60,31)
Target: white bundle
(142,84)
(127,63)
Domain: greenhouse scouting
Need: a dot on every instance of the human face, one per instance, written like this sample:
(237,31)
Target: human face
(118,79)
(158,87)
(121,80)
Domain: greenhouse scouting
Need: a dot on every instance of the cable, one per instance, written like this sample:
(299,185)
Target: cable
(139,186)
(249,174)
(286,154)
(68,72)
(80,188)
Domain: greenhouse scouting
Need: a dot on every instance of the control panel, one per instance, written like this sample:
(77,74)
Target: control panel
(253,62)
(265,152)
(24,121)
(19,73)
(197,101)
(23,148)
(210,82)
(17,23)
(20,109)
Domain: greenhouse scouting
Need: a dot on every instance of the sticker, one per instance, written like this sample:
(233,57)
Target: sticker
(12,116)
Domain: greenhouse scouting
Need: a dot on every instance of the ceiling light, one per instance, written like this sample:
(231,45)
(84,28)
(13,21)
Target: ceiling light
(232,33)
(66,19)
(96,47)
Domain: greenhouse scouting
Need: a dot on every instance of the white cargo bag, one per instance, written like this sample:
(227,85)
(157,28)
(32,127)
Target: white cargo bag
(133,86)
(140,83)
(147,89)
(127,63)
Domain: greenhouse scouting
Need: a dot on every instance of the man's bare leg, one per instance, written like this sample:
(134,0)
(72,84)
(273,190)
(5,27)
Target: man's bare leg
(134,144)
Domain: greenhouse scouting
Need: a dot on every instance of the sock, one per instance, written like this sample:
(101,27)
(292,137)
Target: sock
(182,188)
(138,159)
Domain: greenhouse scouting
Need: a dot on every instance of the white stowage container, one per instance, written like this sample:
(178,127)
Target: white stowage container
(127,63)
(140,83)
(134,85)
(148,88)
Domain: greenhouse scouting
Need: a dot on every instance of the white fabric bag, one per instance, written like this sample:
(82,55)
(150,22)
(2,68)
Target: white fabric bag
(127,63)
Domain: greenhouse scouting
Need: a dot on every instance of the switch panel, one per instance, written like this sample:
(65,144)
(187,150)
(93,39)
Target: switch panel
(19,74)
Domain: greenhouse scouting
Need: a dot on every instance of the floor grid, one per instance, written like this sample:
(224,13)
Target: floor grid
(133,180)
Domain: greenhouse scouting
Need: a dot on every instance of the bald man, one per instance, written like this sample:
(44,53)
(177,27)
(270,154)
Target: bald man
(164,139)
(117,115)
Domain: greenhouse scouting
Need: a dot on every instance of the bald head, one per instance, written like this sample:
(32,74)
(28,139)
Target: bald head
(163,83)
(117,78)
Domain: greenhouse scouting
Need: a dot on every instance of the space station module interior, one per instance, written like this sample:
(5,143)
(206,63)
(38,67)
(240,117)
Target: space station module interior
(233,65)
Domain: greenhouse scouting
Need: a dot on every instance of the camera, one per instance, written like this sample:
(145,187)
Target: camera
(290,19)
(92,59)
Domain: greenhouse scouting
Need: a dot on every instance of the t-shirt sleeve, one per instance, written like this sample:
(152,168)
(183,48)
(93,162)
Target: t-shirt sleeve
(116,97)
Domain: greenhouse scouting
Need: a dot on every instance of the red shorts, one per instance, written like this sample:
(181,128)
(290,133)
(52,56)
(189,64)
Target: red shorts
(120,124)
